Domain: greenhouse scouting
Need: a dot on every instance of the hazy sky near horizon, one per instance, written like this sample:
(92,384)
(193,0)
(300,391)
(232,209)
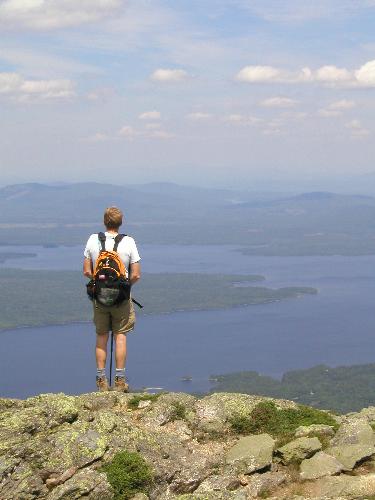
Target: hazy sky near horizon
(195,91)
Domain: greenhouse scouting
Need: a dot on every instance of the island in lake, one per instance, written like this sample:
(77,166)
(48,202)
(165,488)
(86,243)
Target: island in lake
(33,298)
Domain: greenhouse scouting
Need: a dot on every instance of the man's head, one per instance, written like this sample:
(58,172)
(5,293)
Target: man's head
(112,218)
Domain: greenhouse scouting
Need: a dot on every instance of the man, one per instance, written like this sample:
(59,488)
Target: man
(120,319)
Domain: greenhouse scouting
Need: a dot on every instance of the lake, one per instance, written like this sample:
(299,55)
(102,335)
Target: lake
(335,327)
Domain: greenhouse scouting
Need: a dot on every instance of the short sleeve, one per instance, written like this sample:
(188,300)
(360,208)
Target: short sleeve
(134,255)
(87,251)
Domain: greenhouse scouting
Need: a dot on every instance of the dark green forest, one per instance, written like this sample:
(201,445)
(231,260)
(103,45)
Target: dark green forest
(342,389)
(30,298)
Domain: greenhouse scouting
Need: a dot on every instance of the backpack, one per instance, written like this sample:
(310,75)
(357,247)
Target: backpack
(110,284)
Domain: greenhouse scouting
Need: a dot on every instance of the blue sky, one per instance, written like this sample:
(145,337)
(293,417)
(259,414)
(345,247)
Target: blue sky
(212,92)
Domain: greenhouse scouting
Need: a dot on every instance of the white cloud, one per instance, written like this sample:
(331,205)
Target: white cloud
(357,130)
(328,75)
(259,74)
(169,75)
(332,74)
(342,105)
(150,115)
(54,14)
(238,119)
(365,75)
(47,88)
(278,102)
(15,85)
(329,113)
(161,134)
(198,116)
(128,132)
(9,82)
(98,137)
(336,108)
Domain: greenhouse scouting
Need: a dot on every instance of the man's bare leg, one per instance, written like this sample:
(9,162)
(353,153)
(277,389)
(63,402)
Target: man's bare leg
(120,354)
(120,381)
(101,350)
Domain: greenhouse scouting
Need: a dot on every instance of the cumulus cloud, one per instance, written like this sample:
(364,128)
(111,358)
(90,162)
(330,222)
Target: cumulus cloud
(15,85)
(278,102)
(336,108)
(357,130)
(198,116)
(259,74)
(54,14)
(169,75)
(160,134)
(342,105)
(240,119)
(332,74)
(329,113)
(130,133)
(98,137)
(365,75)
(150,115)
(328,75)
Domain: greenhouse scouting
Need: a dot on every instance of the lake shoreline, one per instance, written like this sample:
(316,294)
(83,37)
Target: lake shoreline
(166,313)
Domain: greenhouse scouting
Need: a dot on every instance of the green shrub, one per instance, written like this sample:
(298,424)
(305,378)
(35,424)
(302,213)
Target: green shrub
(135,400)
(280,423)
(178,411)
(128,474)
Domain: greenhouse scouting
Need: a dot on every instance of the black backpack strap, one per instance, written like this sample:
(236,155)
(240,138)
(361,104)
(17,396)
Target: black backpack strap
(101,237)
(118,238)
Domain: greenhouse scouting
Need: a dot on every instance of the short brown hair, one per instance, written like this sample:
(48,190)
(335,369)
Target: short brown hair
(112,218)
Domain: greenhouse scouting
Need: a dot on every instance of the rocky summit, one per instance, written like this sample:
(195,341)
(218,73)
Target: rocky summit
(175,446)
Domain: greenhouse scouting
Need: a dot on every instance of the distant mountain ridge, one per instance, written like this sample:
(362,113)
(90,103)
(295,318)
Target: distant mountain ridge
(308,223)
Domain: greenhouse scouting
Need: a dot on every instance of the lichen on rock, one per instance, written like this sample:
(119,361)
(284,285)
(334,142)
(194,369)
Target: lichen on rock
(56,447)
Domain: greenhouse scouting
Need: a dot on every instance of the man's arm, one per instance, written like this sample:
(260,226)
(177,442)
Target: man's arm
(135,272)
(87,268)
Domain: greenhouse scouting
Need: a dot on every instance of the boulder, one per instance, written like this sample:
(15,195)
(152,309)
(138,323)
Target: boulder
(163,410)
(251,453)
(355,431)
(350,454)
(88,484)
(214,412)
(262,484)
(219,483)
(214,495)
(314,430)
(299,449)
(354,487)
(320,465)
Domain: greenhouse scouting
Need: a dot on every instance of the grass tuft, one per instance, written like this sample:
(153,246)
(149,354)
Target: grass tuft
(135,400)
(128,474)
(178,411)
(279,423)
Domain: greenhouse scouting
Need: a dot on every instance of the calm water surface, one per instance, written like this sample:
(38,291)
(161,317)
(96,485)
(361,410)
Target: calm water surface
(335,327)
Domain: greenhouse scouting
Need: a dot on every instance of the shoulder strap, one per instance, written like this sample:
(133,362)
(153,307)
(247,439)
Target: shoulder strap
(118,238)
(101,237)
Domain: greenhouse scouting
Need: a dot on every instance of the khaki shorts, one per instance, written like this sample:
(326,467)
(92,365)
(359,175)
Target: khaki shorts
(118,319)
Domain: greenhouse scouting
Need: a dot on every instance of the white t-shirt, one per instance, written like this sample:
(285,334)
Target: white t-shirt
(127,249)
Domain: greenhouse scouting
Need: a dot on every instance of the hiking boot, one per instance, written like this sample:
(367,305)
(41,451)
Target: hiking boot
(120,385)
(102,384)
